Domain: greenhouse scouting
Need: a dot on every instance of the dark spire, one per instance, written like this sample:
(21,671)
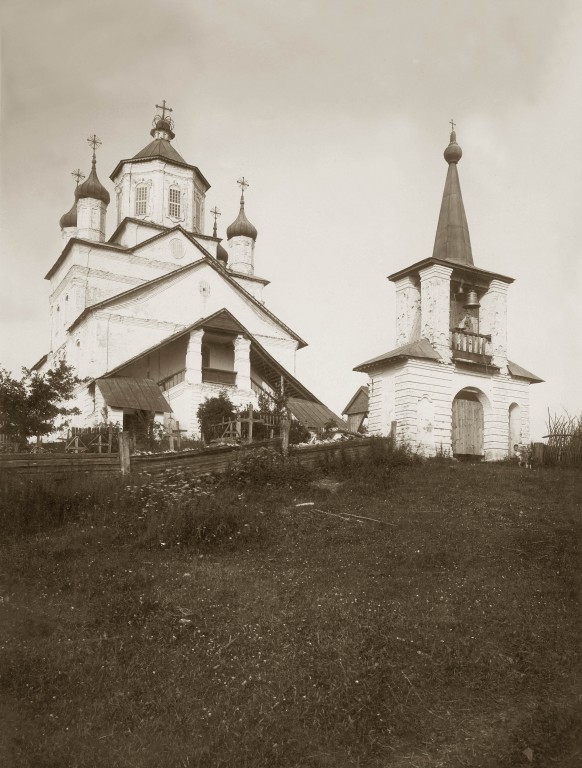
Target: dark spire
(241,226)
(452,242)
(92,187)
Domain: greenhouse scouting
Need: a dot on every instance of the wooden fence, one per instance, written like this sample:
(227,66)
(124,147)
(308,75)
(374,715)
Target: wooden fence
(194,462)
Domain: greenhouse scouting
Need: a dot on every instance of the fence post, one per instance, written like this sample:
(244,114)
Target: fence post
(285,427)
(250,438)
(124,453)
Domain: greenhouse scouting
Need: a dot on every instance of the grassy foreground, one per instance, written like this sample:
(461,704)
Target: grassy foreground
(186,624)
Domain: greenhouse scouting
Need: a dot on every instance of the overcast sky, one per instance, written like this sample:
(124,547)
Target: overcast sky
(337,112)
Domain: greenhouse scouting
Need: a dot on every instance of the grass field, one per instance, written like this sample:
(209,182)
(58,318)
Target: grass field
(195,624)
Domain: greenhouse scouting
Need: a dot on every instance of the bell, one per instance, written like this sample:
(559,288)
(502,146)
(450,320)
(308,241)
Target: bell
(472,300)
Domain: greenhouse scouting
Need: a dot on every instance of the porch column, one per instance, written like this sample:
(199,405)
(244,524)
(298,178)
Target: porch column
(435,308)
(194,358)
(493,320)
(242,362)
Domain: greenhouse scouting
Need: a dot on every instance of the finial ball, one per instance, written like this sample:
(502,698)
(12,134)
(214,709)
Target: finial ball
(453,153)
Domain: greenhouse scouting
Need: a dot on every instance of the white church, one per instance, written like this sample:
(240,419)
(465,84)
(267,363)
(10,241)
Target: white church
(449,387)
(160,316)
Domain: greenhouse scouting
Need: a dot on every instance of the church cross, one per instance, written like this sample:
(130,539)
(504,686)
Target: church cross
(452,125)
(164,108)
(78,174)
(243,184)
(94,142)
(216,213)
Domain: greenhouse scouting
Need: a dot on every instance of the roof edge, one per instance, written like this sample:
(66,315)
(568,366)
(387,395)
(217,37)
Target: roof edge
(467,268)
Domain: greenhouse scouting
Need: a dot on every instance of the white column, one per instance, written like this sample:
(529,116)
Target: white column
(435,308)
(242,362)
(493,321)
(407,311)
(194,357)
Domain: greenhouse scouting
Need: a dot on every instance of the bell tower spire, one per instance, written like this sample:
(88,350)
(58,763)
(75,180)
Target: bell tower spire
(452,241)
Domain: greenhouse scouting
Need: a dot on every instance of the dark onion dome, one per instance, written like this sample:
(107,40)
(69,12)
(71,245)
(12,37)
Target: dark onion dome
(69,219)
(241,226)
(222,254)
(163,124)
(92,187)
(453,153)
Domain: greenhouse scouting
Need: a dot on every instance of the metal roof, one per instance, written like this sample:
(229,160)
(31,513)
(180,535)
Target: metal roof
(127,392)
(313,415)
(420,349)
(452,241)
(521,373)
(160,148)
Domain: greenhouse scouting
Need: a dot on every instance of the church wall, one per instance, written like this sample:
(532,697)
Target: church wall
(283,350)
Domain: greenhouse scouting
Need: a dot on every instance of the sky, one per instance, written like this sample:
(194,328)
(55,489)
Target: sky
(337,112)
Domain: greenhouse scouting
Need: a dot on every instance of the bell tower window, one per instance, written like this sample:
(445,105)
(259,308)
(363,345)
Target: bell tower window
(175,203)
(141,200)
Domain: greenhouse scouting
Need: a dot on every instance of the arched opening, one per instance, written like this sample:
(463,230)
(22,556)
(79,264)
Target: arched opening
(514,426)
(468,424)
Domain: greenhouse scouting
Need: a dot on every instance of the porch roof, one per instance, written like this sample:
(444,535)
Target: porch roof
(420,349)
(128,392)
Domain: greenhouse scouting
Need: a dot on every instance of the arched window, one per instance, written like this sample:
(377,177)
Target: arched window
(141,200)
(175,203)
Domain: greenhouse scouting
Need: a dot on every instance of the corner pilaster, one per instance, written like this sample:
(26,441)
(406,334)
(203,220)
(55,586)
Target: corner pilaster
(407,311)
(493,321)
(435,308)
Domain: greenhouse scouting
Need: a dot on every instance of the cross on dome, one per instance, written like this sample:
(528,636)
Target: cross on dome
(164,109)
(452,122)
(243,184)
(94,141)
(78,175)
(216,213)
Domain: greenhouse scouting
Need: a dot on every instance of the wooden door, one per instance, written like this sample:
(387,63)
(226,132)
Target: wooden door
(467,425)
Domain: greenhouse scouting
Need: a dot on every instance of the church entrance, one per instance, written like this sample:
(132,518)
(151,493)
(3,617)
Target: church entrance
(468,425)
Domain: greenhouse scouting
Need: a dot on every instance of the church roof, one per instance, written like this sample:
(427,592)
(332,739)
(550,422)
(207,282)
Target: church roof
(419,349)
(452,241)
(467,271)
(160,148)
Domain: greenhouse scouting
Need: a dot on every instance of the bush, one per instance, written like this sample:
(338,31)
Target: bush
(213,411)
(265,466)
(298,433)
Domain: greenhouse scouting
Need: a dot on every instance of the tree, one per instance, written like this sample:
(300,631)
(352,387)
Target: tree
(31,405)
(213,411)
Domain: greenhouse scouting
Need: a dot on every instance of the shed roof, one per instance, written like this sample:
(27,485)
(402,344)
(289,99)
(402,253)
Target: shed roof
(128,392)
(358,403)
(420,349)
(314,415)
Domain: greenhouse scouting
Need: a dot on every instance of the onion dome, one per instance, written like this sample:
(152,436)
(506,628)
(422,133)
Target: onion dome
(165,125)
(453,153)
(69,219)
(92,187)
(222,254)
(241,226)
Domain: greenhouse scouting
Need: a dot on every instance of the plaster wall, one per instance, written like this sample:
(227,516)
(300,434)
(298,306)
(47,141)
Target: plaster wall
(241,254)
(158,177)
(493,320)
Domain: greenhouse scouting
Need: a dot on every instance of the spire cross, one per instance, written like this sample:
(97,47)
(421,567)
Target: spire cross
(452,124)
(243,184)
(164,108)
(94,142)
(78,175)
(216,213)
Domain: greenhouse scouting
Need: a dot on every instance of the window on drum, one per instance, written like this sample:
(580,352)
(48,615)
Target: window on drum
(175,203)
(141,200)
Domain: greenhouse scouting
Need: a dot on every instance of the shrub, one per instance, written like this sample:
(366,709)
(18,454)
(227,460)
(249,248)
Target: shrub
(298,433)
(213,411)
(265,466)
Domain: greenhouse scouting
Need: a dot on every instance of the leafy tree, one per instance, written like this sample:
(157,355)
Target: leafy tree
(31,405)
(213,411)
